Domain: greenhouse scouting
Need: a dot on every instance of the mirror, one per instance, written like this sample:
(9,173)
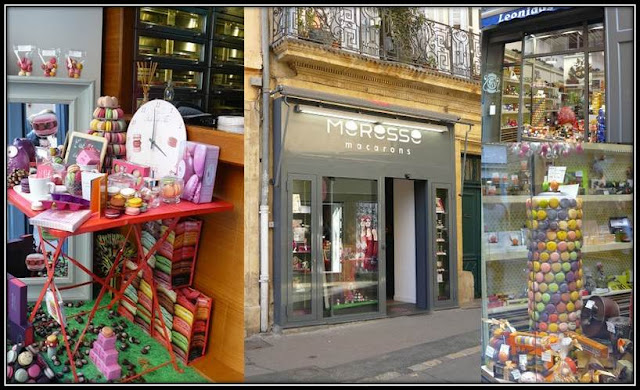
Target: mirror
(72,101)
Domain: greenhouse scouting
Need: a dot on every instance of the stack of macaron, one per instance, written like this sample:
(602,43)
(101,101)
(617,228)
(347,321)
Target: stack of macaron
(190,323)
(145,303)
(23,366)
(108,122)
(131,291)
(555,262)
(119,201)
(166,299)
(177,254)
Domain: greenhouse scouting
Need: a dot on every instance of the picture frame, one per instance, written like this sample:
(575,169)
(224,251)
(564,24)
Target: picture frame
(78,141)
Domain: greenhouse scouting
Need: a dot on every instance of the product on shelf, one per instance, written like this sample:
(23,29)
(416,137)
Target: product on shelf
(74,61)
(197,169)
(24,54)
(49,58)
(555,262)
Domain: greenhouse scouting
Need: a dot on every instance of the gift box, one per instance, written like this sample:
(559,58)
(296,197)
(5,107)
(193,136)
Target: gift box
(198,168)
(174,261)
(137,170)
(88,156)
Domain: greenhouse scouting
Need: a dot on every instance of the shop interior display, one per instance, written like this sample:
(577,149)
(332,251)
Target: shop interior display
(558,262)
(562,94)
(112,350)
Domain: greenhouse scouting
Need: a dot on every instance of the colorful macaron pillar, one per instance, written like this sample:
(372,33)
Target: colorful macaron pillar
(555,240)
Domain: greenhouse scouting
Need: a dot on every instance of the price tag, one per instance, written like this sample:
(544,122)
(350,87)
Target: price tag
(75,54)
(523,360)
(512,329)
(440,279)
(24,47)
(557,174)
(515,374)
(490,351)
(546,356)
(606,192)
(49,53)
(504,348)
(589,304)
(611,327)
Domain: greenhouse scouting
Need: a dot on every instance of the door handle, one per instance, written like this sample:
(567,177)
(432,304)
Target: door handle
(466,215)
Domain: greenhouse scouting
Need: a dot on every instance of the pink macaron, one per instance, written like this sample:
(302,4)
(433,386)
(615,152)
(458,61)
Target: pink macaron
(132,210)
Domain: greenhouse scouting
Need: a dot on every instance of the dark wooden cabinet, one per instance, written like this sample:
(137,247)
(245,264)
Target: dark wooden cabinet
(199,49)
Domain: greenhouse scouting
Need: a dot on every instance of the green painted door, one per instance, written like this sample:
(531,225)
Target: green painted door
(471,234)
(471,221)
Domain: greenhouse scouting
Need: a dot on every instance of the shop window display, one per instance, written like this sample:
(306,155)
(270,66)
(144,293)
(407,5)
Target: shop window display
(558,261)
(350,246)
(553,86)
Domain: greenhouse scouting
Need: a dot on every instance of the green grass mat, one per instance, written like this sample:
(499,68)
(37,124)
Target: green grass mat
(157,354)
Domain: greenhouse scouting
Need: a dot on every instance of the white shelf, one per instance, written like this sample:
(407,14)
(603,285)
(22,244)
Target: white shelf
(515,112)
(522,253)
(493,199)
(502,309)
(508,127)
(511,96)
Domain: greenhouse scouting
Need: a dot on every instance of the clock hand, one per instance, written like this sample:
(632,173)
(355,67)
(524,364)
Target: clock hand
(153,134)
(153,143)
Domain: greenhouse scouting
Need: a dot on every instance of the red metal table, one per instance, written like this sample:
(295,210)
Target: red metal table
(172,212)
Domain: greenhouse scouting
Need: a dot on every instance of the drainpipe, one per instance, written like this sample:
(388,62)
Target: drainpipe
(264,191)
(464,159)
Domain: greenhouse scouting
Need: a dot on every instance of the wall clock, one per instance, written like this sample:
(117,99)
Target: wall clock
(153,137)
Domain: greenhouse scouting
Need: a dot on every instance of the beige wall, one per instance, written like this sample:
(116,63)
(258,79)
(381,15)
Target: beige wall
(333,71)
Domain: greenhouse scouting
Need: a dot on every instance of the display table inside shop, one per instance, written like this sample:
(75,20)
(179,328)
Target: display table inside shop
(171,212)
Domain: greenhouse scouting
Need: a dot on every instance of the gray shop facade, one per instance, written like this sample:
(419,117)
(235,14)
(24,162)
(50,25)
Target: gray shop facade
(364,209)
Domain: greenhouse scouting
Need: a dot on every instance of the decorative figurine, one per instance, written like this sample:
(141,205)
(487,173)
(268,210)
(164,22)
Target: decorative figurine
(105,355)
(52,345)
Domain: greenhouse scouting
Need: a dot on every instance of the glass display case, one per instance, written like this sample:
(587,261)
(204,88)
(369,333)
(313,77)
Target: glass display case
(442,245)
(557,261)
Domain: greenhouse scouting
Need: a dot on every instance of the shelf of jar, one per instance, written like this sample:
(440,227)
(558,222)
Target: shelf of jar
(523,306)
(506,199)
(508,127)
(511,96)
(520,252)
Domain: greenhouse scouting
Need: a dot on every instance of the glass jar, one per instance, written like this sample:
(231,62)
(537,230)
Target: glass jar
(171,189)
(116,183)
(150,192)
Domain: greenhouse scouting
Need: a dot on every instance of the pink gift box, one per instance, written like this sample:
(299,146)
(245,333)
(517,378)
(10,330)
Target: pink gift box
(88,157)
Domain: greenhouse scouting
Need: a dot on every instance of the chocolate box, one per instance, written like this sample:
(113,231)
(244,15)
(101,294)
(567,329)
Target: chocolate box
(198,168)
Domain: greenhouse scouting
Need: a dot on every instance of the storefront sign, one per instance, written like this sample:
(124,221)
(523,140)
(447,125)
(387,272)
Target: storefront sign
(520,13)
(334,131)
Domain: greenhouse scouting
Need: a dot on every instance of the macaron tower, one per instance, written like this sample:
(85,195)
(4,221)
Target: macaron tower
(108,122)
(105,355)
(555,262)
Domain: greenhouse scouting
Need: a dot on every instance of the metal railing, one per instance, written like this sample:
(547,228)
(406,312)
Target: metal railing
(398,34)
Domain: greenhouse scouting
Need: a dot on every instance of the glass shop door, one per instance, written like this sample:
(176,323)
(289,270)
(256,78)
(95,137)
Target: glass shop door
(333,246)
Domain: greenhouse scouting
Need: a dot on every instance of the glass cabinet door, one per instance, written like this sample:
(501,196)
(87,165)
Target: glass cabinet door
(302,249)
(442,264)
(350,236)
(170,48)
(174,19)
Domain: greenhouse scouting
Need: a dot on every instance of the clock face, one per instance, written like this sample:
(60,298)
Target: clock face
(153,137)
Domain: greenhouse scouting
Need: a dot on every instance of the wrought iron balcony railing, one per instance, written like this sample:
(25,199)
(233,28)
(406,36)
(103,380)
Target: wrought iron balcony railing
(399,34)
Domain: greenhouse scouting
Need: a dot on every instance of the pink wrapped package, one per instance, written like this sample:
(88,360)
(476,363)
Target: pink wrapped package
(198,170)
